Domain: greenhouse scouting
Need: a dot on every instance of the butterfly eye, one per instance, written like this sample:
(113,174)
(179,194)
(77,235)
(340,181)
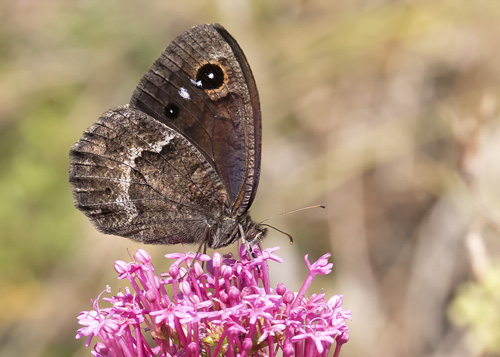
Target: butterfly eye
(211,76)
(171,111)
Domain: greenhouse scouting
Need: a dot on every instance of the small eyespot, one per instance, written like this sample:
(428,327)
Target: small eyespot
(211,76)
(107,191)
(171,111)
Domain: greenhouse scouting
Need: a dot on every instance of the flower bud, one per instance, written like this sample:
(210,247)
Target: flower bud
(217,261)
(288,297)
(142,256)
(281,289)
(185,287)
(121,267)
(234,293)
(198,270)
(247,344)
(173,271)
(192,348)
(150,296)
(223,297)
(245,291)
(101,349)
(226,272)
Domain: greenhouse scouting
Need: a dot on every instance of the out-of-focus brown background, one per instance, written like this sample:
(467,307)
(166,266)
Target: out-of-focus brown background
(387,112)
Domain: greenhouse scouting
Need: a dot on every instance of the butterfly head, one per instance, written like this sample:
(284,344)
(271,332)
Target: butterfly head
(255,233)
(230,229)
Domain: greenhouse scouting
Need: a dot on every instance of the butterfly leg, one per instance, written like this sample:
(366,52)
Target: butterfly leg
(203,246)
(244,241)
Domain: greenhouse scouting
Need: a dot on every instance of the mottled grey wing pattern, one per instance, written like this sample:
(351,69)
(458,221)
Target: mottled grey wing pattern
(202,86)
(135,177)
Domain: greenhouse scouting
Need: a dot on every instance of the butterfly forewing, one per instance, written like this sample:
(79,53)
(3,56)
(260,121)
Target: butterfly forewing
(202,87)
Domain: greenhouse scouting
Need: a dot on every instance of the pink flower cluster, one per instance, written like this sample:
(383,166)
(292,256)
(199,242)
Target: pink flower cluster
(229,309)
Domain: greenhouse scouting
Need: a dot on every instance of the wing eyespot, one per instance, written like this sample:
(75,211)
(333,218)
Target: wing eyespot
(171,111)
(211,76)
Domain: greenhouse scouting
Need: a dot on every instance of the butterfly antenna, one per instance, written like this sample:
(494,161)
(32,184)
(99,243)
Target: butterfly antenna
(282,214)
(279,230)
(292,211)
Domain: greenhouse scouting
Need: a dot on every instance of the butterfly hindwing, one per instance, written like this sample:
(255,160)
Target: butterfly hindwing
(146,189)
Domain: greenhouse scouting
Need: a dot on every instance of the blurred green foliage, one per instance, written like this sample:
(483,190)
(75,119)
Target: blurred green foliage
(34,217)
(476,308)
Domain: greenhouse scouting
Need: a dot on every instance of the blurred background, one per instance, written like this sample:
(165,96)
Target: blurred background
(384,111)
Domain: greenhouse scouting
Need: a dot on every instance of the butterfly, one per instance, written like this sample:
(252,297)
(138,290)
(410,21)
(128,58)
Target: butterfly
(181,162)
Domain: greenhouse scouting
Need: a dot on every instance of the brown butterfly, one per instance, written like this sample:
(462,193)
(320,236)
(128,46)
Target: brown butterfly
(181,162)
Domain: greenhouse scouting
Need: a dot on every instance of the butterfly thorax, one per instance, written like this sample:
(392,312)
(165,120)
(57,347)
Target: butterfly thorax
(229,229)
